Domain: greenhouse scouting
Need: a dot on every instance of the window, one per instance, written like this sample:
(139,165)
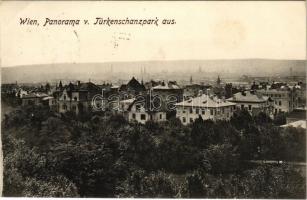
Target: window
(74,108)
(211,111)
(191,120)
(279,103)
(138,107)
(64,107)
(133,116)
(75,98)
(203,111)
(242,106)
(249,107)
(183,111)
(143,117)
(234,107)
(183,120)
(191,110)
(160,116)
(197,110)
(64,97)
(222,110)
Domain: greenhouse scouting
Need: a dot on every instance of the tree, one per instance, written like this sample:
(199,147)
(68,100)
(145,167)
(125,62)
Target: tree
(221,158)
(58,186)
(141,184)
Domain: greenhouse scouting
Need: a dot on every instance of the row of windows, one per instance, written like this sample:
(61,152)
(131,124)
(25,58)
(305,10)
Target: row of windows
(212,111)
(277,95)
(184,120)
(65,107)
(143,116)
(249,107)
(75,98)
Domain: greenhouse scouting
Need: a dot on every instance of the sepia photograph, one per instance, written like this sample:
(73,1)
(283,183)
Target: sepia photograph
(153,99)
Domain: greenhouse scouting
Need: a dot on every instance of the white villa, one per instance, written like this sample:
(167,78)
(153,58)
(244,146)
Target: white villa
(208,107)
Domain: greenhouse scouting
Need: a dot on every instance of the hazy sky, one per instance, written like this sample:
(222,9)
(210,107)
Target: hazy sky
(203,30)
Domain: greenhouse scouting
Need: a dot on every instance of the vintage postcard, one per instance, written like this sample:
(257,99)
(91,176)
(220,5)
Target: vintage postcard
(153,99)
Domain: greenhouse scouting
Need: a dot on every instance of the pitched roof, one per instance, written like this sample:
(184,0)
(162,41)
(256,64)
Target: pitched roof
(166,86)
(82,87)
(34,95)
(150,103)
(247,96)
(133,84)
(128,100)
(296,124)
(206,101)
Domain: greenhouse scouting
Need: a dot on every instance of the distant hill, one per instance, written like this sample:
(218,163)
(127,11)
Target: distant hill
(102,71)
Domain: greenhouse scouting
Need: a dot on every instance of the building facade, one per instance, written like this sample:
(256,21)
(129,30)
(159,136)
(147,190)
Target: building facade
(206,107)
(252,102)
(145,108)
(77,97)
(284,99)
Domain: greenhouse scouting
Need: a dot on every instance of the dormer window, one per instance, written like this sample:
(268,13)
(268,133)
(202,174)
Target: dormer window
(138,107)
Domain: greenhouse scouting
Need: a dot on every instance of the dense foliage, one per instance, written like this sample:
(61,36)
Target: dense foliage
(102,155)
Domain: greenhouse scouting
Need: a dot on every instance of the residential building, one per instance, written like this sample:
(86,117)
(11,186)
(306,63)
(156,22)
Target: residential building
(77,97)
(206,106)
(284,99)
(192,90)
(124,106)
(252,102)
(32,99)
(145,108)
(169,93)
(132,88)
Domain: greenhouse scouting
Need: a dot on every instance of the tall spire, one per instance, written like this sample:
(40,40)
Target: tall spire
(191,80)
(60,85)
(218,82)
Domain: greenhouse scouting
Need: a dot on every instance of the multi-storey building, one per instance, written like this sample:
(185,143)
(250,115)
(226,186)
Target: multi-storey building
(252,102)
(143,109)
(132,88)
(169,94)
(205,106)
(33,99)
(284,98)
(77,97)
